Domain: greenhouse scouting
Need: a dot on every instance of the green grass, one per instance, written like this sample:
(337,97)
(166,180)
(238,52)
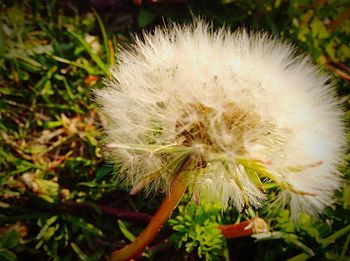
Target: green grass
(58,198)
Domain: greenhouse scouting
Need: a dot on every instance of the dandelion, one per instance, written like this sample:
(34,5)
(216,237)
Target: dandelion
(226,114)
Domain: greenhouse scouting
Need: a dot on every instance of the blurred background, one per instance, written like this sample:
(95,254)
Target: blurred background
(58,196)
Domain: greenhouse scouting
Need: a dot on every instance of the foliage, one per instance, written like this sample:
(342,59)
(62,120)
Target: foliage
(195,228)
(49,131)
(57,195)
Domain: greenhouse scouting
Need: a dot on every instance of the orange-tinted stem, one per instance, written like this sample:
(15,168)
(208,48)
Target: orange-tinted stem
(168,205)
(236,230)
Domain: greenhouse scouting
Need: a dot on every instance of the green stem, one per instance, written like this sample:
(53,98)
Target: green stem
(329,240)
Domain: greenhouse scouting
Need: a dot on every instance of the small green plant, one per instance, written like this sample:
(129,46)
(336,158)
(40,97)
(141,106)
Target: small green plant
(196,231)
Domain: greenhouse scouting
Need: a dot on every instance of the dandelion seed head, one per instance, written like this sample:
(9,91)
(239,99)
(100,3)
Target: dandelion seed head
(244,107)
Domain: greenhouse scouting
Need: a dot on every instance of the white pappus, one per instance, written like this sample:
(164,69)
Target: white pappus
(243,106)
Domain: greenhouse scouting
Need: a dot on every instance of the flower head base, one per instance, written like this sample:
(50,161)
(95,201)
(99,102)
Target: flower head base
(243,107)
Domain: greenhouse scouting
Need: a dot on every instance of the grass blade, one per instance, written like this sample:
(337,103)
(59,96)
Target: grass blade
(104,36)
(93,55)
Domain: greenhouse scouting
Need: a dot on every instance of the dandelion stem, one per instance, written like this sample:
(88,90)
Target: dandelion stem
(236,230)
(245,228)
(168,205)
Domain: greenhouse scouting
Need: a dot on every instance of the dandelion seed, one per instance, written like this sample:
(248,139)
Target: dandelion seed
(242,107)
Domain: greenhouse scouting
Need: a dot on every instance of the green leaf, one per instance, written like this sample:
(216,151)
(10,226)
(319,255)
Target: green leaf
(125,231)
(7,255)
(104,36)
(332,238)
(277,3)
(346,196)
(30,62)
(49,190)
(77,250)
(103,171)
(300,257)
(288,237)
(319,29)
(254,177)
(344,52)
(300,245)
(87,67)
(81,223)
(196,230)
(2,39)
(10,239)
(93,55)
(44,229)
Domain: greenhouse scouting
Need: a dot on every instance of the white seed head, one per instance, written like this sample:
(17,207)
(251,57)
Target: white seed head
(242,106)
